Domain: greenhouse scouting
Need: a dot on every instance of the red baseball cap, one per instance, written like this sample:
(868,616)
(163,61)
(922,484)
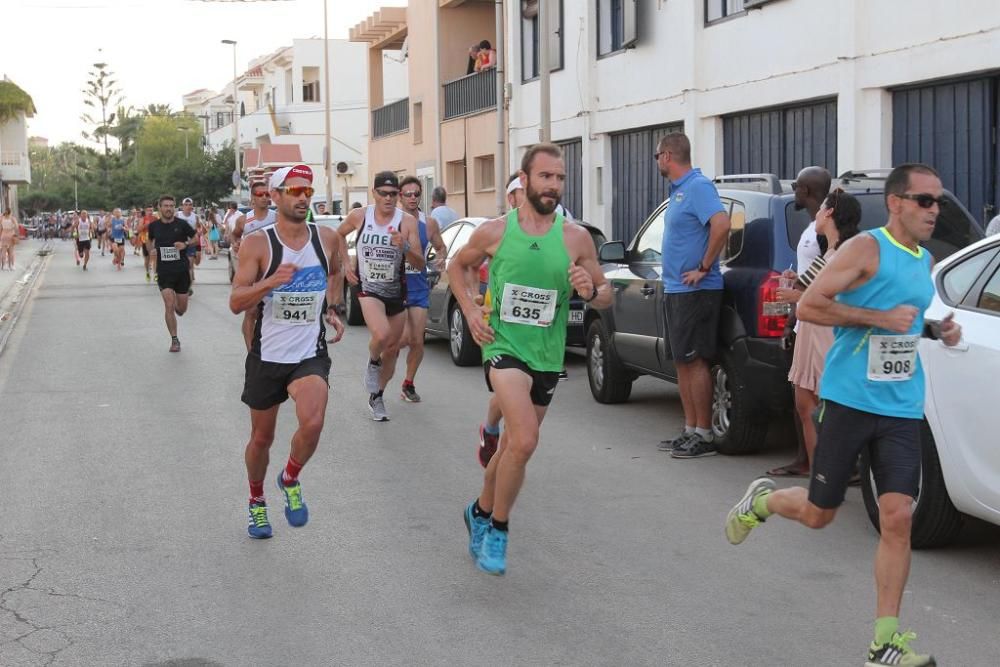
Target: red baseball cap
(279,177)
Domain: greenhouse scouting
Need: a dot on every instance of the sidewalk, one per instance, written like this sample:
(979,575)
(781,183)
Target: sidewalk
(24,255)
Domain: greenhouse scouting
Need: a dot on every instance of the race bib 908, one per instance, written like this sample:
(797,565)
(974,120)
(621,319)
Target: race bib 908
(892,358)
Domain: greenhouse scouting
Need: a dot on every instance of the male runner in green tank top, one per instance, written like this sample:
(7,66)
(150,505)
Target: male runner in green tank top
(537,260)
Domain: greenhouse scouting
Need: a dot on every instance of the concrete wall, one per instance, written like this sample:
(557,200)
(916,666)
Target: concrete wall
(786,52)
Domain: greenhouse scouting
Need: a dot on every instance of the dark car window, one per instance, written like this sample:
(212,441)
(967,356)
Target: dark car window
(954,229)
(958,279)
(990,298)
(597,237)
(650,243)
(737,223)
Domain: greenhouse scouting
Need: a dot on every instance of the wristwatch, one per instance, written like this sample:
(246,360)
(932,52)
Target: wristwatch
(338,308)
(703,269)
(593,294)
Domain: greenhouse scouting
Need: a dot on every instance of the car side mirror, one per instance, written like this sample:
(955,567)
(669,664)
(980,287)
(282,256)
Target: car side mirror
(612,252)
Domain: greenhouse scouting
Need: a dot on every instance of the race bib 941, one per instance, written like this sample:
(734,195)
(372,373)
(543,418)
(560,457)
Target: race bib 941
(528,305)
(293,308)
(892,358)
(169,254)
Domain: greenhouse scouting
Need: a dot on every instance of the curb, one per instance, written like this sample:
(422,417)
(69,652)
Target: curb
(21,289)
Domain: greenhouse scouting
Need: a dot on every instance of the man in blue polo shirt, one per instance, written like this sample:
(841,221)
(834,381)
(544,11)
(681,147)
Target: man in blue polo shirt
(695,229)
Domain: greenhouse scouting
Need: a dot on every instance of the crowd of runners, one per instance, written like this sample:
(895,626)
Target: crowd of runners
(872,290)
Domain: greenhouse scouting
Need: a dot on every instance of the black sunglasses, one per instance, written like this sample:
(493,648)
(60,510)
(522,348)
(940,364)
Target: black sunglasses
(386,194)
(924,200)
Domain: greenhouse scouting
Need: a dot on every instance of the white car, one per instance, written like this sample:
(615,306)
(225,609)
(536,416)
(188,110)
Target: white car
(961,446)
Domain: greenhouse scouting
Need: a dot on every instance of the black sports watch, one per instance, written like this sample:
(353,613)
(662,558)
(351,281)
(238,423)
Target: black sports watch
(593,294)
(339,308)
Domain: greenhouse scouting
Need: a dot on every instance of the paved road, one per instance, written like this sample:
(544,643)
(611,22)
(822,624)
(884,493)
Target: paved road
(122,540)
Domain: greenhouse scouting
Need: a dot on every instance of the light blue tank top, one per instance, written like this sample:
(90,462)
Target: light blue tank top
(416,281)
(875,370)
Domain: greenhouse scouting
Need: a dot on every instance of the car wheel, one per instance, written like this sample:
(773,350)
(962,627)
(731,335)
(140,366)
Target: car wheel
(610,382)
(735,425)
(936,522)
(354,315)
(464,351)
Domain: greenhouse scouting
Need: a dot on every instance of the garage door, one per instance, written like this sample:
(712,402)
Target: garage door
(573,191)
(637,187)
(951,126)
(781,140)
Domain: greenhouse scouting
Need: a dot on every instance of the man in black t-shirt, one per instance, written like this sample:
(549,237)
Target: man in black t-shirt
(171,237)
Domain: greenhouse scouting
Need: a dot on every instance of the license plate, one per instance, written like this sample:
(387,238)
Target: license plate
(576,317)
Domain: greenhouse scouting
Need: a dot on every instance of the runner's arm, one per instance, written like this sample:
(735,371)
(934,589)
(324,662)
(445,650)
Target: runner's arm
(461,269)
(434,236)
(855,262)
(247,293)
(586,269)
(411,234)
(351,223)
(337,249)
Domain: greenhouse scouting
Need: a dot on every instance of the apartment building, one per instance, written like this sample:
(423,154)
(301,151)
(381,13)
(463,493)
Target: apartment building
(282,112)
(759,86)
(445,131)
(15,167)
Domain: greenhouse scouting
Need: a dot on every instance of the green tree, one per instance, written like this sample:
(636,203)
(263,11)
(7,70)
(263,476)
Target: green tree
(100,94)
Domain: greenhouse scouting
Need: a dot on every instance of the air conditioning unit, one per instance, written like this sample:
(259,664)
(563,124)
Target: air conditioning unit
(344,168)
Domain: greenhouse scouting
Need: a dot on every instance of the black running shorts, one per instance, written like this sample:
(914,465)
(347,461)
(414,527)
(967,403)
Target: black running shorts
(178,282)
(543,383)
(893,445)
(266,383)
(692,322)
(392,306)
(82,245)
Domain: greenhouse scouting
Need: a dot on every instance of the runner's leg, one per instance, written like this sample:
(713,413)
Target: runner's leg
(416,321)
(170,310)
(396,324)
(378,326)
(520,438)
(181,304)
(892,559)
(257,453)
(310,394)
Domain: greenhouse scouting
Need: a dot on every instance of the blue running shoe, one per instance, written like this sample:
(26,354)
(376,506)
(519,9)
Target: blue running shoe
(477,527)
(258,527)
(493,555)
(295,508)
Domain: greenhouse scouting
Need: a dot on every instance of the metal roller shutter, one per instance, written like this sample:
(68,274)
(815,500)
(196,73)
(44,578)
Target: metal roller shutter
(781,140)
(573,191)
(952,127)
(637,187)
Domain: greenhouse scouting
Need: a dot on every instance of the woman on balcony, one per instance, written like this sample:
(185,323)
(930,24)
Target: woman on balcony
(487,56)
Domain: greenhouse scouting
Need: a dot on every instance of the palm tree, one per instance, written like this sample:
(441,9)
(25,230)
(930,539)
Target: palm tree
(126,127)
(13,101)
(158,110)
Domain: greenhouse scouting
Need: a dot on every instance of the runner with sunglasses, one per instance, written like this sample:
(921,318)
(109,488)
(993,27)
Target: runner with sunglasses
(417,293)
(874,291)
(291,277)
(259,217)
(387,239)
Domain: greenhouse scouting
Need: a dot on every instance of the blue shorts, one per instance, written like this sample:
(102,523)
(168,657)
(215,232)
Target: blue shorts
(192,250)
(418,299)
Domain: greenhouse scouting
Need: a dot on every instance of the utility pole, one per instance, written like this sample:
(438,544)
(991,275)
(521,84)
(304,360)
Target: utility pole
(545,110)
(500,159)
(327,158)
(237,181)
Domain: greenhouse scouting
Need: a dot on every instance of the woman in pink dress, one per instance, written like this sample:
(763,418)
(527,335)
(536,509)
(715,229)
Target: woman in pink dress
(837,220)
(8,237)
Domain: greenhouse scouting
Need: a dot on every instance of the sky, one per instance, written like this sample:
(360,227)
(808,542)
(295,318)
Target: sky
(158,49)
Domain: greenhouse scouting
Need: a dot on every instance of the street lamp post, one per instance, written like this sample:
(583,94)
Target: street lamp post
(236,126)
(185,130)
(328,159)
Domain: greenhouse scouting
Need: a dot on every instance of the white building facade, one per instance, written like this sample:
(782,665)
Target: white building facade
(281,103)
(845,84)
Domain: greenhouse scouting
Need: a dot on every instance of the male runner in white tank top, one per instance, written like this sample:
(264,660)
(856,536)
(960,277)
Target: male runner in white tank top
(259,217)
(291,277)
(389,238)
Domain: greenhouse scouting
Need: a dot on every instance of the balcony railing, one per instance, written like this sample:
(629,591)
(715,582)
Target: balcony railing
(391,118)
(12,158)
(470,94)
